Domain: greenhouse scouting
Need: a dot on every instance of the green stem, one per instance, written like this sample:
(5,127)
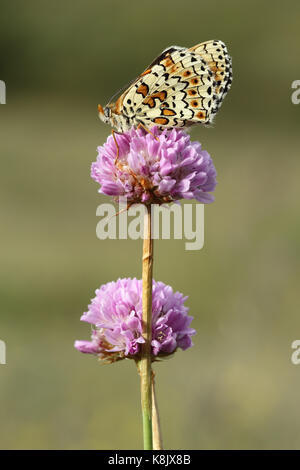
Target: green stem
(156,429)
(145,362)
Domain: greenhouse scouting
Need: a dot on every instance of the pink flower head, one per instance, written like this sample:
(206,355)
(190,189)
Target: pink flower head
(116,312)
(157,167)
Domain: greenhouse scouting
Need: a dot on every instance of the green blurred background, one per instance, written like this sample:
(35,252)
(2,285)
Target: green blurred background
(236,388)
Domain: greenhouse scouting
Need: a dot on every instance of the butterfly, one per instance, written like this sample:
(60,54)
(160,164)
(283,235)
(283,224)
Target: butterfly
(180,88)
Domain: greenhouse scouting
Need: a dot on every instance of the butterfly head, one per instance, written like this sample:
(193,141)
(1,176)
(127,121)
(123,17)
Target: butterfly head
(110,116)
(104,114)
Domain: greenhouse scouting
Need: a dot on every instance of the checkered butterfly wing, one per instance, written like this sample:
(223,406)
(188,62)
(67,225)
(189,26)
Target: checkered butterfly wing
(216,56)
(181,87)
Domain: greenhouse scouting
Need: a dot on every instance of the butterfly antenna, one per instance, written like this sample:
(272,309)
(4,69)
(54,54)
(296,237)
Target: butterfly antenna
(135,79)
(117,93)
(121,89)
(125,87)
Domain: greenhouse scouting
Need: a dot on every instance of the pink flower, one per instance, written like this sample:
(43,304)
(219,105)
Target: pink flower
(161,167)
(116,312)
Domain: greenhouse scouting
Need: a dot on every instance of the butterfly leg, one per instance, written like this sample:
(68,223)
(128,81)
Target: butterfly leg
(129,204)
(147,130)
(117,146)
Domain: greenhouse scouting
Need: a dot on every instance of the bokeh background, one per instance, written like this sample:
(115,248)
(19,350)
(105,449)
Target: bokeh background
(236,388)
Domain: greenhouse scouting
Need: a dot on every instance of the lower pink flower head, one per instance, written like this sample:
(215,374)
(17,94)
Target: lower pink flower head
(116,313)
(156,167)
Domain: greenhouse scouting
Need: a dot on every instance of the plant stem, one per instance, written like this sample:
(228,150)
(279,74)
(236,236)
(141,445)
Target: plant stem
(145,362)
(156,431)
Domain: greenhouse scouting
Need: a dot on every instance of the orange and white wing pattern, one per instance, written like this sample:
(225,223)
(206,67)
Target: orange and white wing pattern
(219,62)
(180,88)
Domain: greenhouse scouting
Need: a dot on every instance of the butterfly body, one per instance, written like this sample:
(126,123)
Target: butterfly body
(180,88)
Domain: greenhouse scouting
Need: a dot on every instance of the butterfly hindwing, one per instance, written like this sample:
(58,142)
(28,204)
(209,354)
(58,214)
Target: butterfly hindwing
(183,94)
(218,60)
